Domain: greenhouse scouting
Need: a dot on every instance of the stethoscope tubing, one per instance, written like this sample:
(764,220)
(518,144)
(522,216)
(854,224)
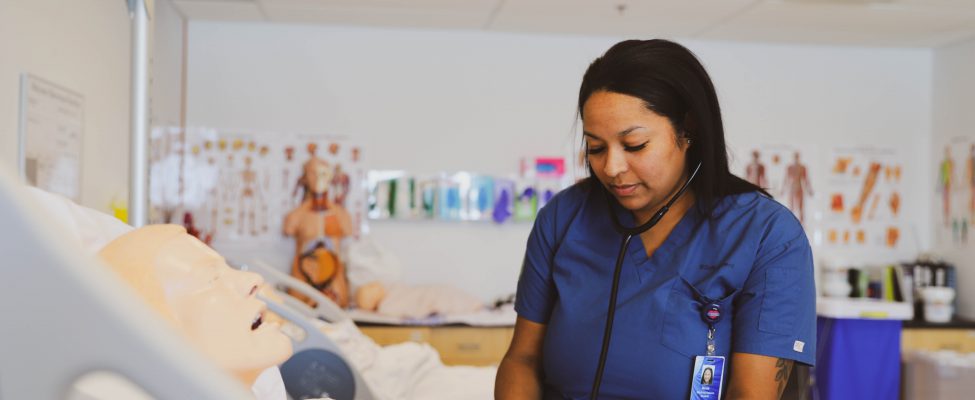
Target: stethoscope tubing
(628,234)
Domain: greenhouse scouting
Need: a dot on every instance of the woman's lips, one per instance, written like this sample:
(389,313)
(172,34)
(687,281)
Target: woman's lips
(623,190)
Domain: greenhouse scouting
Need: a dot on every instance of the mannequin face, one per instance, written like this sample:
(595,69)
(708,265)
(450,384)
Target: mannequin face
(217,306)
(213,305)
(318,175)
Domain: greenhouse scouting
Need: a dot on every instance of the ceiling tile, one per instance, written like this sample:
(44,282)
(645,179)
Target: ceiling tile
(911,23)
(380,16)
(468,5)
(900,25)
(639,18)
(220,10)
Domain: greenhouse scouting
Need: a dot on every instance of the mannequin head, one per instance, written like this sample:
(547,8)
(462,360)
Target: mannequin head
(368,296)
(318,175)
(191,286)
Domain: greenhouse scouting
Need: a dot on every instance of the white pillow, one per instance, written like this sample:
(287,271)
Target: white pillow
(88,228)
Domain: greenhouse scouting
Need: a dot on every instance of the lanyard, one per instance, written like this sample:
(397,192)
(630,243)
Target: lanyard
(711,314)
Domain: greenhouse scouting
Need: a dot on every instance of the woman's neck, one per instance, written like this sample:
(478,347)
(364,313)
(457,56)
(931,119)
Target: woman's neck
(653,238)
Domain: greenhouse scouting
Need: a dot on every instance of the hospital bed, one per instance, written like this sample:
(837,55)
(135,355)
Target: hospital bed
(472,339)
(442,383)
(66,316)
(318,366)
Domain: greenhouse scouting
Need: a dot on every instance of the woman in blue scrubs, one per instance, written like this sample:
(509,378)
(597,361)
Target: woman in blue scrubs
(650,117)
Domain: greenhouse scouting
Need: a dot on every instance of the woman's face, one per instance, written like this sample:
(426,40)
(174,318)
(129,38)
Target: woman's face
(633,151)
(707,375)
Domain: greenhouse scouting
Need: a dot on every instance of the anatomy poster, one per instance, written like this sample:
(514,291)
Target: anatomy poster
(226,185)
(955,190)
(784,171)
(865,193)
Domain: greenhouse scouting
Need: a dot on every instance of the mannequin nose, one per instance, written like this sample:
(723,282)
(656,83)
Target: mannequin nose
(247,283)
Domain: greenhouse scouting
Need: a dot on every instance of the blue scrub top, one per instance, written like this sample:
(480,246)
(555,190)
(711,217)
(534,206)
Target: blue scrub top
(751,257)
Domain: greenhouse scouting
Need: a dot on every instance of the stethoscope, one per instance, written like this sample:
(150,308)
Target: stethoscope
(628,233)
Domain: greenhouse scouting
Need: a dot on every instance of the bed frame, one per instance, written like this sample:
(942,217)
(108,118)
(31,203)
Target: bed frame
(65,315)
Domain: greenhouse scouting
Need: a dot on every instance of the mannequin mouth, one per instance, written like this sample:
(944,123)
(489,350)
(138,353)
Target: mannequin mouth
(258,320)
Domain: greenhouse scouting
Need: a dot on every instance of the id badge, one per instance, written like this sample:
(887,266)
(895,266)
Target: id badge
(707,378)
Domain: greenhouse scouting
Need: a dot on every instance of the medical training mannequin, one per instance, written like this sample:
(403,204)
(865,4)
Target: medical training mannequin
(415,301)
(318,226)
(214,306)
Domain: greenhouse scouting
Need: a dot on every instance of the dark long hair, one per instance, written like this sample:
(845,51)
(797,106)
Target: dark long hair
(672,83)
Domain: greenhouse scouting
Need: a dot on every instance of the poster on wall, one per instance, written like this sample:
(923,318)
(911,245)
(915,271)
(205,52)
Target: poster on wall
(51,128)
(955,190)
(232,186)
(783,171)
(864,189)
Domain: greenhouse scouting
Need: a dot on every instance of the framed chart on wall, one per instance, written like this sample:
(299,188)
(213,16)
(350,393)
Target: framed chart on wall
(50,136)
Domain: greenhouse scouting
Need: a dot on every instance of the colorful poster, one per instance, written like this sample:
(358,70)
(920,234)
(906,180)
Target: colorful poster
(864,189)
(955,190)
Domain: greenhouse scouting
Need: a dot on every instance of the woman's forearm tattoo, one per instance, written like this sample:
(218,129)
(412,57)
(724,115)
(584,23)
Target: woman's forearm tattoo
(783,368)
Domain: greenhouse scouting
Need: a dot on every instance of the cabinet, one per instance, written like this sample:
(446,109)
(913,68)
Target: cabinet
(957,336)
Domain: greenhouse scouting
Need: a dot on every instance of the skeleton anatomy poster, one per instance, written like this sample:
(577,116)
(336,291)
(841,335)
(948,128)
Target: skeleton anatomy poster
(226,185)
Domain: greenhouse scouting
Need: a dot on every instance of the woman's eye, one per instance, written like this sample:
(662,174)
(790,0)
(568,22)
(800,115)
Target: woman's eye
(594,150)
(636,148)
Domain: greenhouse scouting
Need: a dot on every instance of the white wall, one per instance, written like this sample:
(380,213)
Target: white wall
(166,65)
(816,98)
(82,45)
(954,96)
(448,100)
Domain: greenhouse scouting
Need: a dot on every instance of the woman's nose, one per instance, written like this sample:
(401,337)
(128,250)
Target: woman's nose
(615,163)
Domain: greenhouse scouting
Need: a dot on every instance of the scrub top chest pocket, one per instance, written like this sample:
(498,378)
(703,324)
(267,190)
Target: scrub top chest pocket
(684,330)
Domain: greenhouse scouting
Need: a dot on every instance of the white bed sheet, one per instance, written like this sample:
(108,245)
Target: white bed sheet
(409,371)
(501,317)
